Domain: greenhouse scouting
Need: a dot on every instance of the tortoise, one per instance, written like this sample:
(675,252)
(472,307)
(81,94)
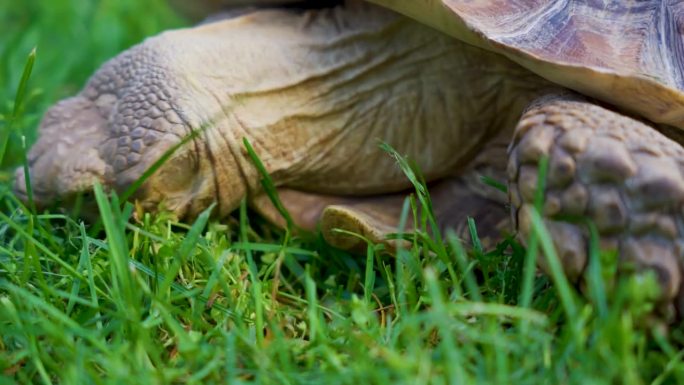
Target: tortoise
(464,88)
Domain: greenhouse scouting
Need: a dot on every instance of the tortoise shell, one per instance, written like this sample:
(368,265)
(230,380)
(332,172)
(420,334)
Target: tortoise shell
(629,53)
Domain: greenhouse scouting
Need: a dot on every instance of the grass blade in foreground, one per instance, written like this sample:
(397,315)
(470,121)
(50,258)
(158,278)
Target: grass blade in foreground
(269,187)
(19,100)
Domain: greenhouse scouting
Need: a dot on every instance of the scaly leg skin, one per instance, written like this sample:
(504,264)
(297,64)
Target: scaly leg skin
(620,173)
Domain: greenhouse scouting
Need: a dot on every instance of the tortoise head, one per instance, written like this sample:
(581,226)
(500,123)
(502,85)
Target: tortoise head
(65,160)
(80,144)
(125,120)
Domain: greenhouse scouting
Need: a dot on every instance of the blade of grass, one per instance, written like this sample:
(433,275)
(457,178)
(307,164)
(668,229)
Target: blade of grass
(477,244)
(89,269)
(530,262)
(315,324)
(18,103)
(529,271)
(118,250)
(462,263)
(455,371)
(597,289)
(27,175)
(555,266)
(254,278)
(269,186)
(420,186)
(403,285)
(489,181)
(369,275)
(427,213)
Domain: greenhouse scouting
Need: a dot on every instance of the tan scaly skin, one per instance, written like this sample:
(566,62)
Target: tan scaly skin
(316,92)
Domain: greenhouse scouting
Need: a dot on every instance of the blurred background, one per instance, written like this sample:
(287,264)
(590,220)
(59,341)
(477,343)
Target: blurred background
(72,38)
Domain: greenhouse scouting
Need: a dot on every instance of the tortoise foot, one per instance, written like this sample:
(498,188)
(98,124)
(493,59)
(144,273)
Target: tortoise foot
(622,175)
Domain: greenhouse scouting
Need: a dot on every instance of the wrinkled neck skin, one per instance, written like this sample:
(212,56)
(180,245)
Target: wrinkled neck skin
(315,93)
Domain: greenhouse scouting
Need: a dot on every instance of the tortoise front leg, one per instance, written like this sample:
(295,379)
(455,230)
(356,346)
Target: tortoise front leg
(620,173)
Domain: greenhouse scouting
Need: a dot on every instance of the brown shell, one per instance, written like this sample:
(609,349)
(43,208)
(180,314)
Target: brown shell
(627,52)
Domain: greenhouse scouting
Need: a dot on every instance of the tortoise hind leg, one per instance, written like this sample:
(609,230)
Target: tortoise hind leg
(620,173)
(453,202)
(376,217)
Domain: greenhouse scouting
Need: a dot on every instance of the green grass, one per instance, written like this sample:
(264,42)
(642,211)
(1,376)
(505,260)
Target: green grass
(153,301)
